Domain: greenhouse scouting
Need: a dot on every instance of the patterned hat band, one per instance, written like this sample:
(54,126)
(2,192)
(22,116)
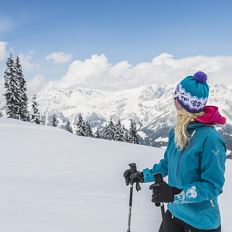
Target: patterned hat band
(190,103)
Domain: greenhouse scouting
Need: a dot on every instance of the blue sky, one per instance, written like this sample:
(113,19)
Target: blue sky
(132,30)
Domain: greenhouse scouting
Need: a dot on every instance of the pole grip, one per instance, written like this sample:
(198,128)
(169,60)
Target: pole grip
(158,180)
(133,168)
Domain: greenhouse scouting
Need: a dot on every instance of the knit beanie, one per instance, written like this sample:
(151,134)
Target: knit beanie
(192,92)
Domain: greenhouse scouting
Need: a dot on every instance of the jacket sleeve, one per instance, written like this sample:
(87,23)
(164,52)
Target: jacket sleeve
(161,167)
(212,173)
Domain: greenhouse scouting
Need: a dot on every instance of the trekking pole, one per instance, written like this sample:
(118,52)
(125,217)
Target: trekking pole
(133,169)
(130,208)
(158,180)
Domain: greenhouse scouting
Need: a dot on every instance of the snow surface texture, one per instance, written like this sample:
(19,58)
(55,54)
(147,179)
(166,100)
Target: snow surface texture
(54,181)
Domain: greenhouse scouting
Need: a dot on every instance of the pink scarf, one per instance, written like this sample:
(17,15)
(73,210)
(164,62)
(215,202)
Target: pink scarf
(211,116)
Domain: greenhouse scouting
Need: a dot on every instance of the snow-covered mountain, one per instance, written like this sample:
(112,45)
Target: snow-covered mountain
(55,181)
(150,106)
(141,104)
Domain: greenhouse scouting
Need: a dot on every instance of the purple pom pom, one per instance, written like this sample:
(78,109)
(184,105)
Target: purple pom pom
(200,77)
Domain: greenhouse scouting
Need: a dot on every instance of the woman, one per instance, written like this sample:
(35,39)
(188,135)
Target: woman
(194,162)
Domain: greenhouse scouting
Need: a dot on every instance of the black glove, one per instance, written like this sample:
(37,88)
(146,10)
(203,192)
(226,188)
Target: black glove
(162,192)
(136,177)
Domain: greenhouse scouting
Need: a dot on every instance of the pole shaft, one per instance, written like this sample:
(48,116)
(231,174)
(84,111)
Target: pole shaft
(163,217)
(131,195)
(130,207)
(129,220)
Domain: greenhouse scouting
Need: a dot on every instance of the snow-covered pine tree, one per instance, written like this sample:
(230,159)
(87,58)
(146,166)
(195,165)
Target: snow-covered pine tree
(133,136)
(23,110)
(80,126)
(68,127)
(229,156)
(54,120)
(119,133)
(109,131)
(35,115)
(43,119)
(88,130)
(125,133)
(97,134)
(12,86)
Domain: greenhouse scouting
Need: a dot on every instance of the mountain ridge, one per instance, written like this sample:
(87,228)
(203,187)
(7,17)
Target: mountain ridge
(151,106)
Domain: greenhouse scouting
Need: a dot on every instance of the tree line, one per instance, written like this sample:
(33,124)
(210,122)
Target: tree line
(110,131)
(17,108)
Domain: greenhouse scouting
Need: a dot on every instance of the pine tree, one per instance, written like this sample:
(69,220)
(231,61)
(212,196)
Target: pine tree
(23,110)
(125,134)
(15,90)
(133,136)
(109,131)
(68,127)
(12,87)
(54,120)
(119,132)
(43,119)
(229,156)
(80,126)
(88,130)
(97,133)
(35,116)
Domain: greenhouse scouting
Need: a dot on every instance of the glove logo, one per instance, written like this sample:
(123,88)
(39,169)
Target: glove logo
(191,193)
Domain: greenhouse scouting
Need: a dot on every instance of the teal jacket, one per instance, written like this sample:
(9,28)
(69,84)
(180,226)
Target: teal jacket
(199,171)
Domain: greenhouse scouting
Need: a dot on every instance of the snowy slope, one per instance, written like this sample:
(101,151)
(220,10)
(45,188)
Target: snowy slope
(54,181)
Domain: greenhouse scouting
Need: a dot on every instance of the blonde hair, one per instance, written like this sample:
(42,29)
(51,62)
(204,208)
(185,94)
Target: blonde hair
(183,118)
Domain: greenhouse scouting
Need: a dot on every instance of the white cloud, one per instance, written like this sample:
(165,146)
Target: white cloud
(59,57)
(35,84)
(96,72)
(27,62)
(3,46)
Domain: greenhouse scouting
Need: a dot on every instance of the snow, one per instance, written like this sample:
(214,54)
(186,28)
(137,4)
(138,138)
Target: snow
(140,103)
(54,181)
(146,103)
(160,139)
